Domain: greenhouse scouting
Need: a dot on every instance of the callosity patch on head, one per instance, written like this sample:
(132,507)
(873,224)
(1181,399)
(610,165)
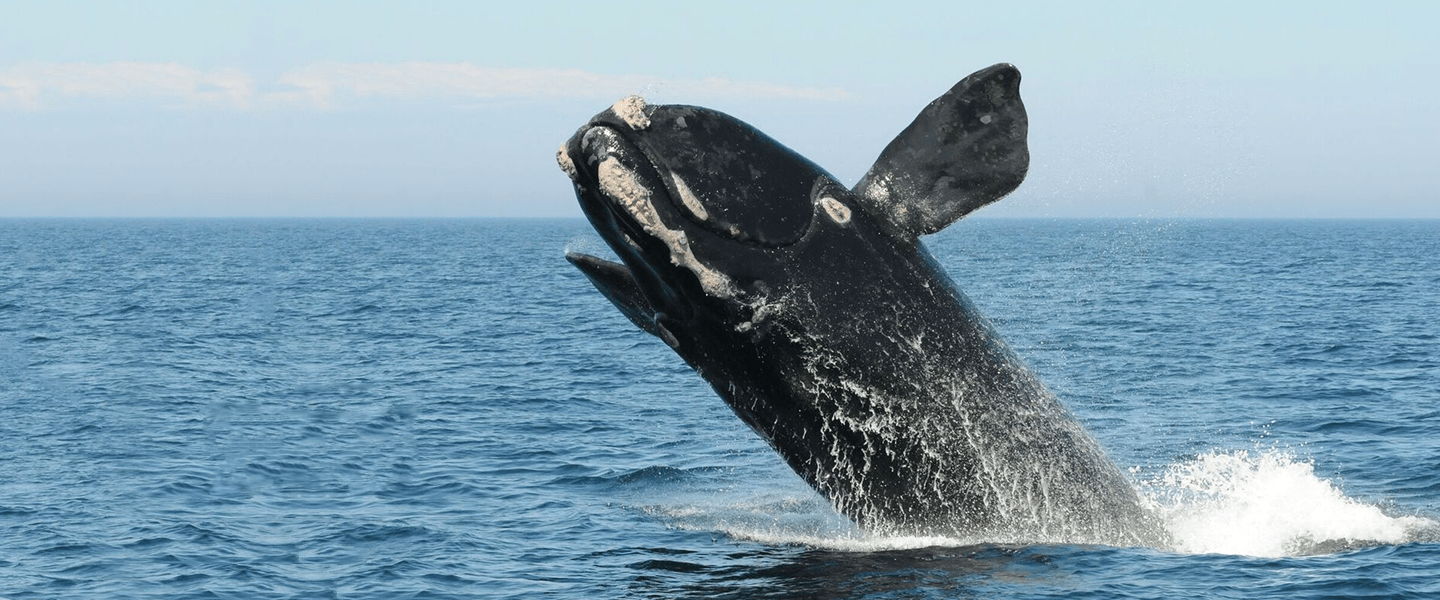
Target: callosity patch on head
(838,212)
(627,191)
(688,199)
(562,156)
(631,110)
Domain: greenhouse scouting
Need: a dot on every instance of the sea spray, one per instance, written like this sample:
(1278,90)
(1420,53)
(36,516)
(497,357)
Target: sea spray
(1267,503)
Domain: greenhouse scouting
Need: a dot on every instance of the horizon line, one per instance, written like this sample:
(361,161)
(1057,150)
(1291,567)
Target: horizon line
(582,218)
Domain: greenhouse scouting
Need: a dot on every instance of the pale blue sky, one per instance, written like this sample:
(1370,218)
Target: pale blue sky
(1138,109)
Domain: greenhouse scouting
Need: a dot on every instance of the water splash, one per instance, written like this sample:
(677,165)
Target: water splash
(1262,503)
(589,244)
(1267,503)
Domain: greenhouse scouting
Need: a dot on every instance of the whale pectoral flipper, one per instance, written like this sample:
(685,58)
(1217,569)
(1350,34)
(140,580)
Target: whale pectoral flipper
(619,287)
(965,150)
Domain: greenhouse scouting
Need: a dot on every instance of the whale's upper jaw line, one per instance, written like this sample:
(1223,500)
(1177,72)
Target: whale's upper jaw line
(623,194)
(593,165)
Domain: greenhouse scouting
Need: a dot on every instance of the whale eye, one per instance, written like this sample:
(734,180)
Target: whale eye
(729,177)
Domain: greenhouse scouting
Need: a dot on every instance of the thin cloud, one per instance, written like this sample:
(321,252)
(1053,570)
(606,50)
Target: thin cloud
(36,85)
(328,85)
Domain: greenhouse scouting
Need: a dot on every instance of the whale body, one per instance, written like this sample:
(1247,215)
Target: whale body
(817,314)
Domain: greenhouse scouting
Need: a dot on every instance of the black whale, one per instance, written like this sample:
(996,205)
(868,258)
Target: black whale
(818,316)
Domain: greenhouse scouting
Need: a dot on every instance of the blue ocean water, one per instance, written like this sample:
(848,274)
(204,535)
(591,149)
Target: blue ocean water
(447,409)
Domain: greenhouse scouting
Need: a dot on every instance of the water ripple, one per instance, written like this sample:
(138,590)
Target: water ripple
(446,409)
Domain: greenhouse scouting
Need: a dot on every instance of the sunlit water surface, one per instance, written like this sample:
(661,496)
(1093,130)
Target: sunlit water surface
(447,409)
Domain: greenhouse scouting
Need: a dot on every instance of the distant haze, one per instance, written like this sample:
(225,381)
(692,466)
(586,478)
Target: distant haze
(453,109)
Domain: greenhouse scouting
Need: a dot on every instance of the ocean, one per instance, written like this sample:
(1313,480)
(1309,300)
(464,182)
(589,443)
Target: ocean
(447,409)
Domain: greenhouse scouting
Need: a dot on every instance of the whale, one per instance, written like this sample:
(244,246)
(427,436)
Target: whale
(814,310)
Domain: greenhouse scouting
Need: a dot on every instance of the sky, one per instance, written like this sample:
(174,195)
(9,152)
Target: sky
(455,109)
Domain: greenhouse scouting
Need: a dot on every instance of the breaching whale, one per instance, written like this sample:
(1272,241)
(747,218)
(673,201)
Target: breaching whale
(816,313)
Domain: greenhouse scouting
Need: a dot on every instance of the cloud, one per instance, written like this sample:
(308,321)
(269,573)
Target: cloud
(328,85)
(34,85)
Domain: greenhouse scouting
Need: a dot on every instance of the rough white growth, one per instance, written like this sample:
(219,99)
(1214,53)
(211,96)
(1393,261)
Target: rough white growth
(631,109)
(680,122)
(619,183)
(594,149)
(566,165)
(986,119)
(622,185)
(837,211)
(688,199)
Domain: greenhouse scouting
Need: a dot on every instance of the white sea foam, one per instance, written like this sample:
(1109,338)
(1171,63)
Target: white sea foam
(1256,503)
(1267,503)
(797,519)
(857,542)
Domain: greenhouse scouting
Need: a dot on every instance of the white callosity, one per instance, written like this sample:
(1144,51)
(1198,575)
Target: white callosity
(621,184)
(566,165)
(688,199)
(837,211)
(631,110)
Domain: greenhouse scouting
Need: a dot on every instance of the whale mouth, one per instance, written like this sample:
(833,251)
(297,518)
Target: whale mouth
(677,191)
(624,196)
(618,188)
